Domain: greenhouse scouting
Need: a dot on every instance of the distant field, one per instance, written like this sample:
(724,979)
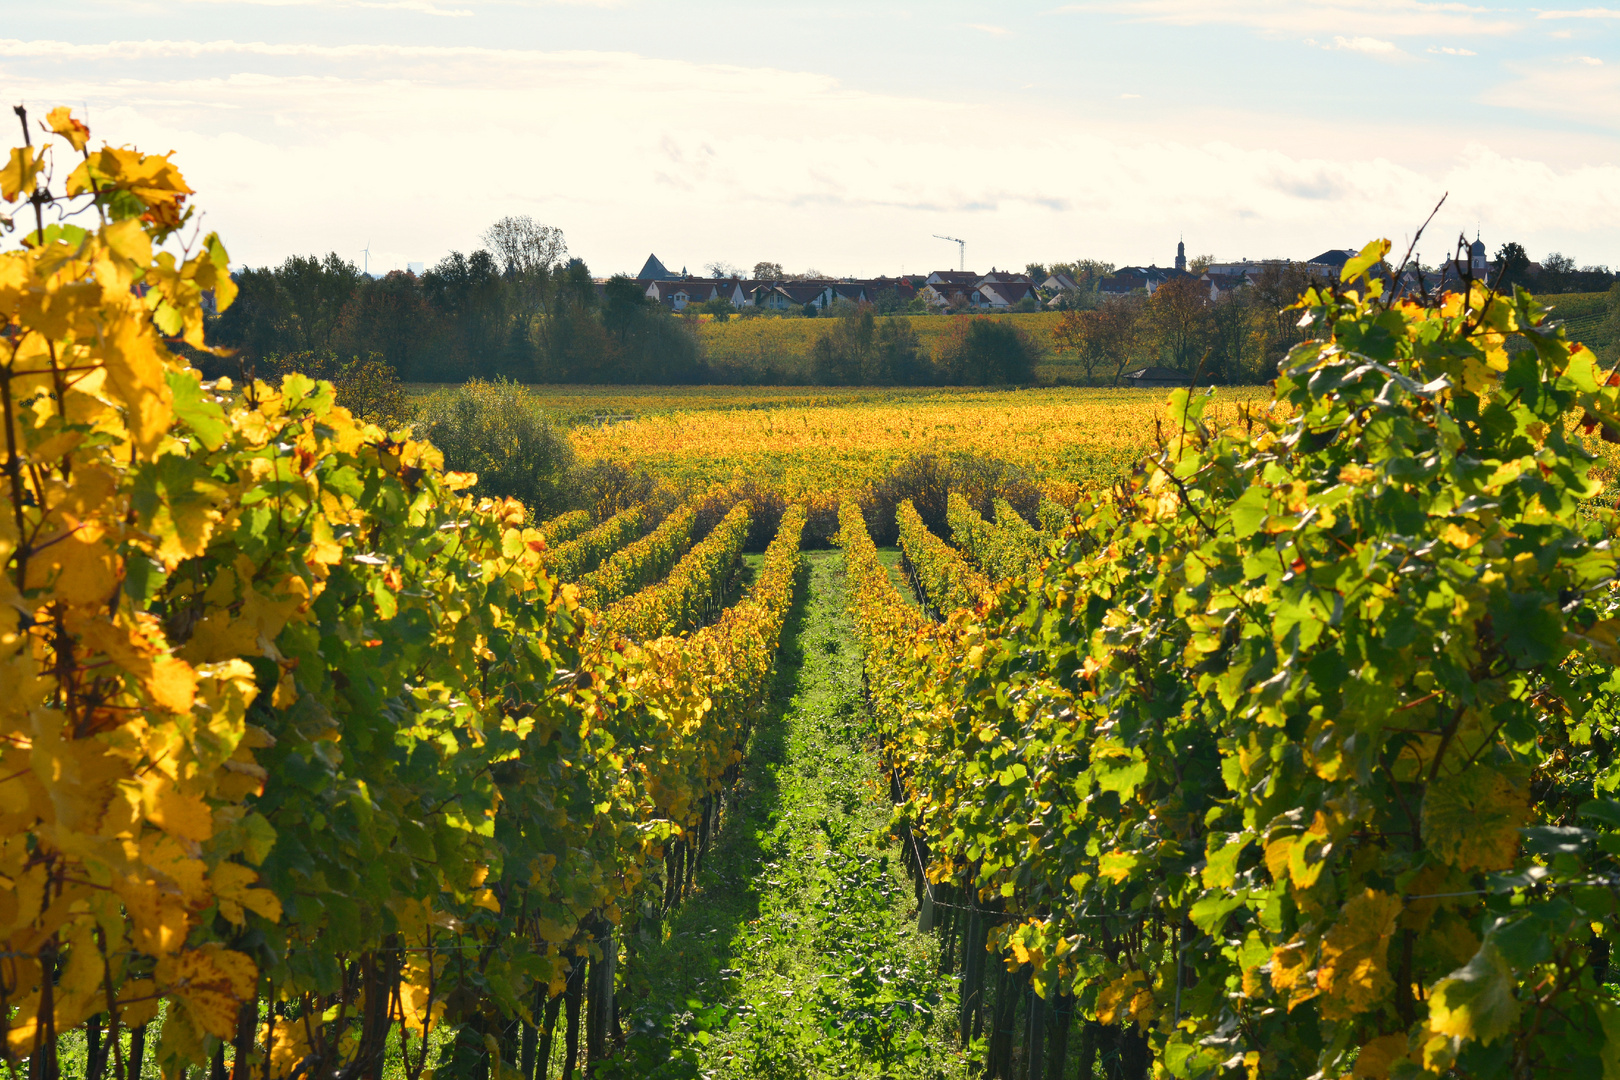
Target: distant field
(1586,319)
(589,404)
(787,342)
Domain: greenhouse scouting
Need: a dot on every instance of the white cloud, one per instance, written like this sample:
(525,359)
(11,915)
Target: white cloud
(1447,50)
(1591,61)
(1386,50)
(1351,18)
(421,7)
(986,28)
(1129,97)
(301,148)
(1582,13)
(1580,91)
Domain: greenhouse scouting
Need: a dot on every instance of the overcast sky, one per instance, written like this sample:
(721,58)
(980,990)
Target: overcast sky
(842,135)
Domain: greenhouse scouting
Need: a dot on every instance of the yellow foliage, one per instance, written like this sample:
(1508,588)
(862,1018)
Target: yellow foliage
(1353,974)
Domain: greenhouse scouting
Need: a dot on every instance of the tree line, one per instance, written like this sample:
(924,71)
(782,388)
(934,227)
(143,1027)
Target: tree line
(518,308)
(1235,337)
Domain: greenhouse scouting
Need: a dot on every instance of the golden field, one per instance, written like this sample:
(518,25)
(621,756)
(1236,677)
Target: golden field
(811,445)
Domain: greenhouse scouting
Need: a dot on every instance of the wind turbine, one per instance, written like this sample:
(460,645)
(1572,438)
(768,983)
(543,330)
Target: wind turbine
(367,253)
(961,248)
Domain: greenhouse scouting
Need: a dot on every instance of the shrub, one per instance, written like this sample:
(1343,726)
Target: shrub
(496,429)
(368,387)
(928,480)
(989,352)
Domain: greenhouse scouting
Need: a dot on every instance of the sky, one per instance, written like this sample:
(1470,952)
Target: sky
(843,136)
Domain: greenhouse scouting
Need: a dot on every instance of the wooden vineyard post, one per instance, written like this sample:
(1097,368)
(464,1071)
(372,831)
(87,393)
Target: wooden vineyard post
(1061,1024)
(1089,1031)
(530,1039)
(571,1001)
(543,1057)
(1004,1024)
(247,1022)
(137,1051)
(1035,1038)
(599,998)
(952,930)
(973,954)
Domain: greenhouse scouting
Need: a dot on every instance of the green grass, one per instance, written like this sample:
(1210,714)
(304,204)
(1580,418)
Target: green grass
(892,559)
(797,956)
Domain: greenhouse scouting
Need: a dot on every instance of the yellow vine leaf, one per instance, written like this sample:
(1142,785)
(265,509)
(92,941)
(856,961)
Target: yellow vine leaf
(1376,1058)
(1353,974)
(62,121)
(234,890)
(20,173)
(1475,1002)
(1471,820)
(211,982)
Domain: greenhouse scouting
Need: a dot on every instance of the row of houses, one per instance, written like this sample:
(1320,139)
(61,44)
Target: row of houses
(1223,277)
(995,291)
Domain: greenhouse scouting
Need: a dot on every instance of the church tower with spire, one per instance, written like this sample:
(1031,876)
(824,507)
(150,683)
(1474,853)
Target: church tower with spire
(1181,256)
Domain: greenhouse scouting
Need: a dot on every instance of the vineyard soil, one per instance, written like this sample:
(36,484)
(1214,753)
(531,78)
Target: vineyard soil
(797,956)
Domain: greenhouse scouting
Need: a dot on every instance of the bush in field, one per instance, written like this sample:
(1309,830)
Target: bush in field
(368,387)
(496,429)
(860,351)
(989,352)
(927,481)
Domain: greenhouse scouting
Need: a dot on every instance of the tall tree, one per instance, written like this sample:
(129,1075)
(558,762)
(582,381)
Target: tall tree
(524,246)
(529,255)
(1072,336)
(1117,331)
(1513,263)
(1180,313)
(314,293)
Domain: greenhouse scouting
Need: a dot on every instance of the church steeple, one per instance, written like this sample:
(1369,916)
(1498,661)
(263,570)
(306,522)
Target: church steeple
(1181,255)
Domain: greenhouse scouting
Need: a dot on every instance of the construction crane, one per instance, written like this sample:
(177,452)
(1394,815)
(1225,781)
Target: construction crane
(961,246)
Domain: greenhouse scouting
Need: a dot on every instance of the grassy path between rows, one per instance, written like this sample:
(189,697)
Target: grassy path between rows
(797,955)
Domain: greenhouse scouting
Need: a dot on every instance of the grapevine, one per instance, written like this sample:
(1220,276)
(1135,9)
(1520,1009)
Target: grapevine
(585,553)
(640,563)
(565,527)
(1000,550)
(1290,762)
(296,724)
(945,580)
(670,605)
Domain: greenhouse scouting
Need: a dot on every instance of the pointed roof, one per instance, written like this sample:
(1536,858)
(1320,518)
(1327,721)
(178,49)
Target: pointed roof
(653,270)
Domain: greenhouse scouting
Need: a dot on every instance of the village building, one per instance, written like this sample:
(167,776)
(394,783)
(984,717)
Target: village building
(1156,376)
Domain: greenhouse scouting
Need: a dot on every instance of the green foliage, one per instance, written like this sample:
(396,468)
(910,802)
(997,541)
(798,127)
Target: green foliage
(1292,756)
(860,351)
(564,527)
(988,352)
(494,430)
(1054,518)
(927,481)
(367,386)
